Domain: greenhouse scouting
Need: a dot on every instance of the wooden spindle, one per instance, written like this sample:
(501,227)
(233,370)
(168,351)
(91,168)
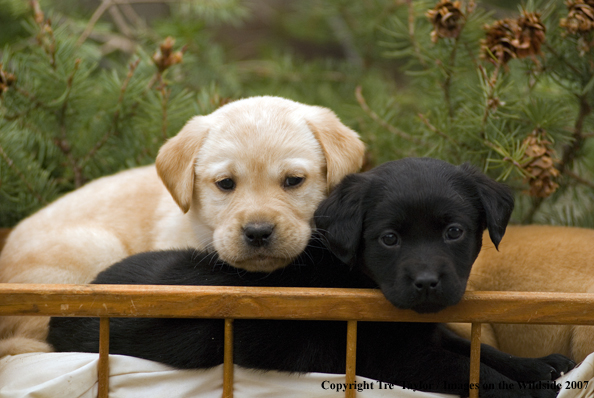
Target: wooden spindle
(475,359)
(351,359)
(103,365)
(228,360)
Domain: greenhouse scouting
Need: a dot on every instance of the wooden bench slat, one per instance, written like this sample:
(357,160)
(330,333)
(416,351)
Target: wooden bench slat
(285,303)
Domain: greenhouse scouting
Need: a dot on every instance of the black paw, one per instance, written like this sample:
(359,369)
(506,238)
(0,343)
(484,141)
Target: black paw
(559,363)
(546,368)
(540,389)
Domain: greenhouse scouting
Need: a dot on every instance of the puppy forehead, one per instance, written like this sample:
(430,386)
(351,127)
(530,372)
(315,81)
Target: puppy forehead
(409,210)
(421,179)
(256,130)
(269,117)
(420,203)
(234,167)
(260,140)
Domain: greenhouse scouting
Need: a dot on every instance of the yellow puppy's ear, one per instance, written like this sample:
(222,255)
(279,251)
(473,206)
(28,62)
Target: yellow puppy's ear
(343,149)
(176,160)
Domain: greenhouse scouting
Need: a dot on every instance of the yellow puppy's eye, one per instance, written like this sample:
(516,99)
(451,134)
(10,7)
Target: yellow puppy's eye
(226,184)
(292,182)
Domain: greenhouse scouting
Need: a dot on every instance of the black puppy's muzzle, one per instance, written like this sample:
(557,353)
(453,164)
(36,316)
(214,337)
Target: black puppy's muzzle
(424,288)
(426,291)
(427,283)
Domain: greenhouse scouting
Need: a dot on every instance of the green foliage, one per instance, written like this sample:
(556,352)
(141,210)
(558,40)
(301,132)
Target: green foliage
(66,120)
(478,108)
(88,99)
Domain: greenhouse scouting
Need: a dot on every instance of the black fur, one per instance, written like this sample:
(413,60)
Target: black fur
(417,200)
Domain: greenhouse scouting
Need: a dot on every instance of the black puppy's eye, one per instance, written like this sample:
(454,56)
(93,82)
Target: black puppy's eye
(390,239)
(226,184)
(453,233)
(292,182)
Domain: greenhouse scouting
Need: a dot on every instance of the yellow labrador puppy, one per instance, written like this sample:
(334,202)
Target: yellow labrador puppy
(243,181)
(539,259)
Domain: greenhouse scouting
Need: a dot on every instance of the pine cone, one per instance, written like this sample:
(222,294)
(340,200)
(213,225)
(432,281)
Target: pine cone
(532,35)
(580,22)
(498,40)
(446,18)
(580,18)
(509,38)
(539,165)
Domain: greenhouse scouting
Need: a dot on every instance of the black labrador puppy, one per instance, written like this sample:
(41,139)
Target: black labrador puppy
(411,227)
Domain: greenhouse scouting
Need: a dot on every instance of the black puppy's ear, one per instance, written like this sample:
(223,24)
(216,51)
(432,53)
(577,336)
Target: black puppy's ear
(497,200)
(339,218)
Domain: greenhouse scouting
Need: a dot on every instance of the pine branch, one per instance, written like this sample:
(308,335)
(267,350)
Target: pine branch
(382,122)
(448,81)
(529,217)
(116,115)
(21,176)
(452,62)
(120,22)
(165,93)
(562,59)
(63,143)
(36,104)
(580,179)
(45,36)
(571,150)
(345,37)
(138,23)
(132,16)
(105,4)
(441,133)
(491,102)
(411,33)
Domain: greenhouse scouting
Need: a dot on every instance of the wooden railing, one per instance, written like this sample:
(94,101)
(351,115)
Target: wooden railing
(351,305)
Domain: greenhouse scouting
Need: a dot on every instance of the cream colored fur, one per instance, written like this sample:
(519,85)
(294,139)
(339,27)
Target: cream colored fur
(258,142)
(543,259)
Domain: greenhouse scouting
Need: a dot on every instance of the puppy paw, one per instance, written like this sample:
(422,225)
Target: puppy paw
(541,389)
(22,345)
(559,363)
(546,368)
(541,394)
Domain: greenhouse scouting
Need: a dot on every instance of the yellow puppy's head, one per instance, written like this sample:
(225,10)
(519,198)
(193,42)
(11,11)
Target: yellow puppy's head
(251,174)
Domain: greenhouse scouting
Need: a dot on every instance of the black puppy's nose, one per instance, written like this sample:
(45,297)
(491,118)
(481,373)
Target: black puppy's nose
(258,234)
(426,282)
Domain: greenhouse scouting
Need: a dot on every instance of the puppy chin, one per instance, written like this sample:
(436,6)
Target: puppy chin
(428,307)
(259,263)
(280,252)
(422,305)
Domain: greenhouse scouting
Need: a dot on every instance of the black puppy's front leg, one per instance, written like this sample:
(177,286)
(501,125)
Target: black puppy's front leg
(412,356)
(520,369)
(438,370)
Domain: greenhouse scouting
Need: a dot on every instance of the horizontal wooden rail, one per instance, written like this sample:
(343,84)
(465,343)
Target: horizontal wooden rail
(285,303)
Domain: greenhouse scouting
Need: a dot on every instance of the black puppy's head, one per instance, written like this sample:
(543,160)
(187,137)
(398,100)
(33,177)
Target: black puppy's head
(416,226)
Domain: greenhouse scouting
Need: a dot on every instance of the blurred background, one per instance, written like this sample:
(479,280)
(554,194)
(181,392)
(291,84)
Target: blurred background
(88,88)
